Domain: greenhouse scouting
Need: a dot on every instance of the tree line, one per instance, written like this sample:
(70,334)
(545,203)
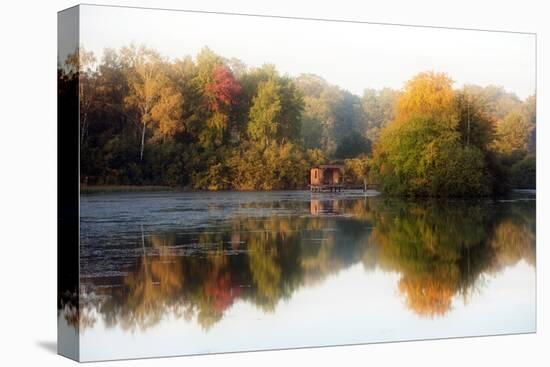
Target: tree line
(213,123)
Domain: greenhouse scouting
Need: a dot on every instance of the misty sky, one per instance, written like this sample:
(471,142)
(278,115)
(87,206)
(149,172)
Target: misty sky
(350,55)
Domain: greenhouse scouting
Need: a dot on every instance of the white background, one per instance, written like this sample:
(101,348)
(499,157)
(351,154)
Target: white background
(28,52)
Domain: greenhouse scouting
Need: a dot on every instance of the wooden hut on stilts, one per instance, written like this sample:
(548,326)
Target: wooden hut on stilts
(327,177)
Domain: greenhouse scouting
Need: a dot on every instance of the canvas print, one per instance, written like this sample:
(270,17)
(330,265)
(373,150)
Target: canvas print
(237,183)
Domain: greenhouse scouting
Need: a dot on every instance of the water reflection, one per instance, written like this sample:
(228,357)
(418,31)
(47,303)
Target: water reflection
(323,207)
(440,249)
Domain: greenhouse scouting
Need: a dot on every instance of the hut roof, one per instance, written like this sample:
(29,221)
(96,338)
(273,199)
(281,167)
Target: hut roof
(325,166)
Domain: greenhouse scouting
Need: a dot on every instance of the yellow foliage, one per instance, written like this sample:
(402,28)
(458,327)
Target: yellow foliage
(430,95)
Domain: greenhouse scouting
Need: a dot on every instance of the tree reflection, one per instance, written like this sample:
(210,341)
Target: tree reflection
(441,250)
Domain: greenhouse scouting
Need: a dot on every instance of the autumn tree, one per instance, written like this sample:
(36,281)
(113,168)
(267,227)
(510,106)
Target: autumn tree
(357,170)
(88,76)
(221,94)
(422,152)
(512,134)
(152,98)
(223,91)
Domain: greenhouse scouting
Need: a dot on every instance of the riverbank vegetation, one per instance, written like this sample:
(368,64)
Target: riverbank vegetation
(212,123)
(110,189)
(446,142)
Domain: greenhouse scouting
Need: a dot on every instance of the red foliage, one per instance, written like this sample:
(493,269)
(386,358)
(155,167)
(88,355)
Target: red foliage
(222,292)
(224,90)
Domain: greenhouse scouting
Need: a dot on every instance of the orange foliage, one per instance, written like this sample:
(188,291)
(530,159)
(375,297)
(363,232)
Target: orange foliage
(427,296)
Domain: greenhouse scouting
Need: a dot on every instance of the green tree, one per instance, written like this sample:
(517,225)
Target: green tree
(348,116)
(423,152)
(265,113)
(496,100)
(378,109)
(352,145)
(330,113)
(475,125)
(523,173)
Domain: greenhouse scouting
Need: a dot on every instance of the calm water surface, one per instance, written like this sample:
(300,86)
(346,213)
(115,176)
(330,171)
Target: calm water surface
(184,273)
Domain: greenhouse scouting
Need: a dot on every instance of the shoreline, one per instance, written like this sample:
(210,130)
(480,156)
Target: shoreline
(120,189)
(107,189)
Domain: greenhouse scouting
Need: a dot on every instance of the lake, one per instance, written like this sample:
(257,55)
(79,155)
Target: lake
(175,273)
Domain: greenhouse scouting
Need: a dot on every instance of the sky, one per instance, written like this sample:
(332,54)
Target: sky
(354,56)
